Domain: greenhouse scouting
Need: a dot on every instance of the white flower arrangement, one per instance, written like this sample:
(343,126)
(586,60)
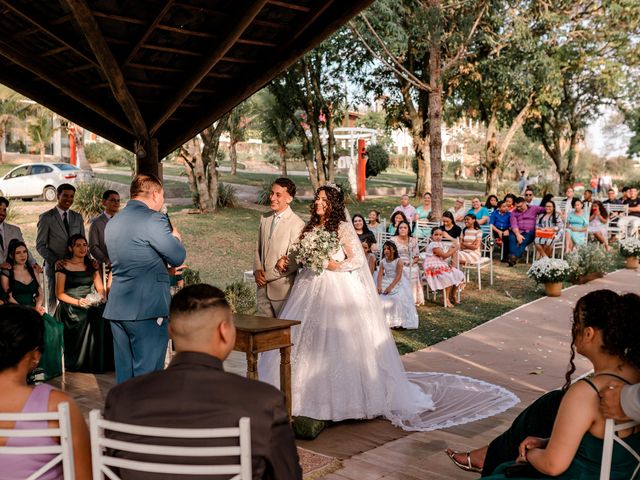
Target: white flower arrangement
(630,247)
(315,247)
(549,270)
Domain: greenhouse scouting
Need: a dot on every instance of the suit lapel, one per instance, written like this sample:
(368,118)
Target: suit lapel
(58,219)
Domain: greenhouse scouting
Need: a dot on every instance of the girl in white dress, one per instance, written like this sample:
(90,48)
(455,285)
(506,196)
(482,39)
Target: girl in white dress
(395,296)
(344,361)
(371,257)
(410,256)
(438,274)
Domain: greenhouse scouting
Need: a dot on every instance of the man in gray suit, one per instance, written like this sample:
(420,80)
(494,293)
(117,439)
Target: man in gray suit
(97,247)
(196,392)
(141,242)
(10,232)
(274,266)
(55,226)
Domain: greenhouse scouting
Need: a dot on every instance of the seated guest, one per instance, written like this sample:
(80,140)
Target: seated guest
(21,286)
(406,208)
(459,211)
(523,228)
(569,192)
(97,247)
(587,201)
(438,274)
(548,228)
(396,219)
(529,196)
(624,193)
(491,204)
(577,225)
(374,222)
(631,223)
(560,434)
(22,341)
(510,200)
(203,336)
(611,198)
(88,343)
(470,242)
(410,256)
(362,229)
(477,210)
(500,220)
(423,212)
(371,258)
(598,223)
(393,288)
(450,231)
(8,233)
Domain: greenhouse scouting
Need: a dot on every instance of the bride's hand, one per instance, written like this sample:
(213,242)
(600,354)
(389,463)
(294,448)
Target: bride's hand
(333,265)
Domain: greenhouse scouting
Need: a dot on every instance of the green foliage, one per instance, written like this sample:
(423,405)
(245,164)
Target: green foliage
(540,189)
(508,187)
(107,152)
(88,199)
(378,160)
(264,192)
(241,297)
(588,258)
(40,127)
(227,196)
(191,277)
(348,193)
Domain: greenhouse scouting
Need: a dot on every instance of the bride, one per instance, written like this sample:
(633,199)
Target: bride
(344,360)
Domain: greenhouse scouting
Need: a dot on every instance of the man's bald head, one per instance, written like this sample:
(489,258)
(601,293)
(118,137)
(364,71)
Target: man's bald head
(200,320)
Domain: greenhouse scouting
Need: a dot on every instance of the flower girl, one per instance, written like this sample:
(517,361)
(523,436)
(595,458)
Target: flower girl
(371,257)
(395,295)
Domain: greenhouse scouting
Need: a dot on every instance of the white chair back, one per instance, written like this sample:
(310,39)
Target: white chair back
(63,453)
(424,226)
(610,438)
(103,449)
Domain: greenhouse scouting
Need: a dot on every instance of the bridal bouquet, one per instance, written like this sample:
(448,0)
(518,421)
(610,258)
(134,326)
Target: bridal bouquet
(313,250)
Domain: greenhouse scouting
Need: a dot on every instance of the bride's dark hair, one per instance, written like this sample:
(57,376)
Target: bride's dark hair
(335,214)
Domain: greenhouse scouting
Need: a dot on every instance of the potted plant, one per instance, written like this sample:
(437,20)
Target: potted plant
(551,272)
(630,250)
(587,263)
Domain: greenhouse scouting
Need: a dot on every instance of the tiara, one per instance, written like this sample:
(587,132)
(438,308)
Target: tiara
(333,185)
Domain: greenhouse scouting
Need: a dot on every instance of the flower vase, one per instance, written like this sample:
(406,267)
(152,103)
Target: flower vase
(553,289)
(631,263)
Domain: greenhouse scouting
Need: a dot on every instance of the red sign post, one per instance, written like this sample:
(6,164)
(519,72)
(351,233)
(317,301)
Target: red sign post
(72,146)
(362,170)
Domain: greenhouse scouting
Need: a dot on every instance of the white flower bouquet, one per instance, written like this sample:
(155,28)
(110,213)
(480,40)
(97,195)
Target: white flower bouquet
(94,299)
(315,247)
(630,247)
(549,270)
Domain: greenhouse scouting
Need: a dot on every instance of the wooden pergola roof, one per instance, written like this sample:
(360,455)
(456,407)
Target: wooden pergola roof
(138,70)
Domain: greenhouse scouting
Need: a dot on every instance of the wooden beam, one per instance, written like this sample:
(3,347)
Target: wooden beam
(257,43)
(89,27)
(179,51)
(225,15)
(150,28)
(63,83)
(118,18)
(218,52)
(79,68)
(245,61)
(41,25)
(154,68)
(54,51)
(290,6)
(184,31)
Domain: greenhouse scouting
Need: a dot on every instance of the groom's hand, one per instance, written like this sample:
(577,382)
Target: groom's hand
(282,264)
(260,277)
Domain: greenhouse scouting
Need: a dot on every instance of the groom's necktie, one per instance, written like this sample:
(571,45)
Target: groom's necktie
(274,223)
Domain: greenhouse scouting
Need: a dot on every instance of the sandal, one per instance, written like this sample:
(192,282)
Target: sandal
(468,467)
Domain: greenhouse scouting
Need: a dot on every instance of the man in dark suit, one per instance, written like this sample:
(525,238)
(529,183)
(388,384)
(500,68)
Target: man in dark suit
(141,242)
(195,391)
(55,226)
(97,247)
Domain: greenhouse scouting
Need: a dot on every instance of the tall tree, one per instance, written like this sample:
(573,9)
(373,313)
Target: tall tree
(277,126)
(239,119)
(40,128)
(12,111)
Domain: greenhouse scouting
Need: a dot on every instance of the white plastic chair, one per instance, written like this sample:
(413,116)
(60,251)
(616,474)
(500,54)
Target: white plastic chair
(102,449)
(610,436)
(485,260)
(63,452)
(615,213)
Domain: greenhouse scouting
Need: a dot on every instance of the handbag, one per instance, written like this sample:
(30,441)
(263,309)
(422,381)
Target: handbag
(545,233)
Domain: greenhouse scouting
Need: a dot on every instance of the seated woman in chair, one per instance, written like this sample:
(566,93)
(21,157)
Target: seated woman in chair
(438,274)
(560,434)
(21,346)
(470,241)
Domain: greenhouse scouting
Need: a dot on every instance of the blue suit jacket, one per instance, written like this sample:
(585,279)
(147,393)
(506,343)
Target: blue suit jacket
(140,246)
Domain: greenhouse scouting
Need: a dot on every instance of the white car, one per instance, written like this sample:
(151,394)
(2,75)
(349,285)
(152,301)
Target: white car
(41,180)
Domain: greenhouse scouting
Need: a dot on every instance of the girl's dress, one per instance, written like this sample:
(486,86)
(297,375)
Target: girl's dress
(437,272)
(577,221)
(597,226)
(398,307)
(470,235)
(411,270)
(375,270)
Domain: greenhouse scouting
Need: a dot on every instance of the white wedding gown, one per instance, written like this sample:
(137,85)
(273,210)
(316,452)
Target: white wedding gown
(344,360)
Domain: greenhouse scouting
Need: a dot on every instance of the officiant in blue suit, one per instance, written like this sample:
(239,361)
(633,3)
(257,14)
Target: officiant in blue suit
(141,242)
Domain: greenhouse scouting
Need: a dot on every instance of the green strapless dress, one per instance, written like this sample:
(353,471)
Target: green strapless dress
(51,360)
(88,343)
(586,463)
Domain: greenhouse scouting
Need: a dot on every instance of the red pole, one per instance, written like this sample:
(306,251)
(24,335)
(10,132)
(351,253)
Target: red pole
(362,169)
(72,146)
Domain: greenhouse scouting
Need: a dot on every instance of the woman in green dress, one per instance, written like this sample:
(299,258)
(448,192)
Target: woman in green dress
(79,289)
(20,285)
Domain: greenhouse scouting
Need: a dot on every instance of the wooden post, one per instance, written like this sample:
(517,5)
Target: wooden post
(362,170)
(147,157)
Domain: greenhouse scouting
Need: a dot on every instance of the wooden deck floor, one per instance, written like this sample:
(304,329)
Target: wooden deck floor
(525,350)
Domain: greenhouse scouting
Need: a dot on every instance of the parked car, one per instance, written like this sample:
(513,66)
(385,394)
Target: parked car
(41,180)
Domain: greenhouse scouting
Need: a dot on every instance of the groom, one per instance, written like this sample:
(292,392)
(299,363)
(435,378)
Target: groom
(274,267)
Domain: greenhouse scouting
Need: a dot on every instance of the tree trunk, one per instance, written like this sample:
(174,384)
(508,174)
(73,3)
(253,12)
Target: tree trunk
(2,145)
(233,156)
(283,160)
(423,179)
(42,149)
(435,129)
(331,142)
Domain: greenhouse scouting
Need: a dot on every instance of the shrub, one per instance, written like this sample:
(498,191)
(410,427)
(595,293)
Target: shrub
(377,160)
(241,297)
(549,270)
(630,247)
(191,277)
(227,197)
(508,187)
(264,192)
(100,152)
(345,186)
(12,213)
(88,198)
(586,259)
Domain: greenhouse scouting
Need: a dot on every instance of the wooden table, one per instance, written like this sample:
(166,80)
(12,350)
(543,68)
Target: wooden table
(259,334)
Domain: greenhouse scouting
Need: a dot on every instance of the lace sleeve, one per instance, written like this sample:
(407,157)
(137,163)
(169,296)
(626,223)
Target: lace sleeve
(352,249)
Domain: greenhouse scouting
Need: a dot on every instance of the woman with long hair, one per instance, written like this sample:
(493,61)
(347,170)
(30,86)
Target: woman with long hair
(394,221)
(560,434)
(598,219)
(577,225)
(21,286)
(549,227)
(491,203)
(362,229)
(450,231)
(423,212)
(410,256)
(374,222)
(87,336)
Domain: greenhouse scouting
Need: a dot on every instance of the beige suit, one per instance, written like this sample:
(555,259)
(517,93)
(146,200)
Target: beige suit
(268,251)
